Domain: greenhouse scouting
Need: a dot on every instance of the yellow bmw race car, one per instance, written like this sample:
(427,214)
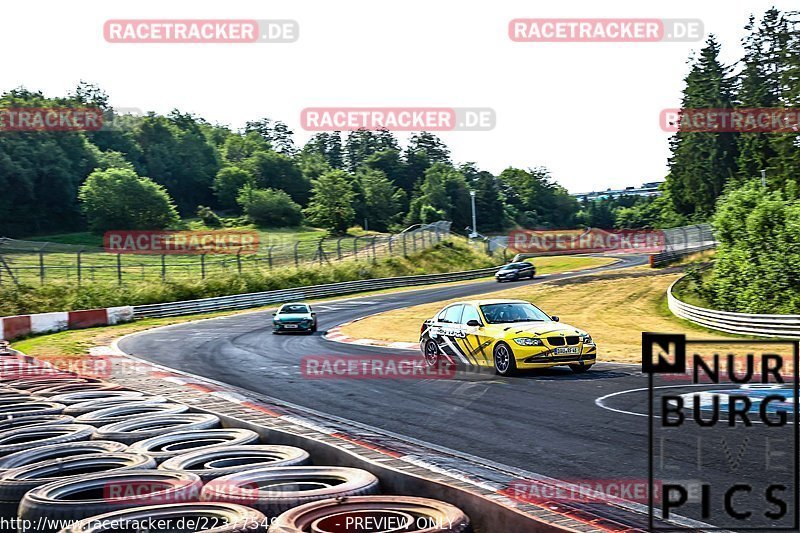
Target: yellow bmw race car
(508,335)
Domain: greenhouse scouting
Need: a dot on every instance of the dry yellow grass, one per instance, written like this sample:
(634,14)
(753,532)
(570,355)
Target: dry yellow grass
(615,311)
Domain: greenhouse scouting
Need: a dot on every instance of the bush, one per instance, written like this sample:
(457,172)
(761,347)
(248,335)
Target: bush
(270,207)
(209,217)
(758,257)
(118,199)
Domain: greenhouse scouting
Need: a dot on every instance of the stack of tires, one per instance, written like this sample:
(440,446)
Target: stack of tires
(80,454)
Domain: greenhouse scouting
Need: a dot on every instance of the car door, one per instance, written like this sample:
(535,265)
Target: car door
(477,344)
(528,271)
(448,331)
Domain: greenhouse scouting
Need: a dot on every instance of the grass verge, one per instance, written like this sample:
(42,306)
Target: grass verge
(447,256)
(614,309)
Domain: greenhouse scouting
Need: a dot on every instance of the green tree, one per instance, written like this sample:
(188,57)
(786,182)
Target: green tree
(271,170)
(537,200)
(490,206)
(118,199)
(269,207)
(228,182)
(382,201)
(702,162)
(331,205)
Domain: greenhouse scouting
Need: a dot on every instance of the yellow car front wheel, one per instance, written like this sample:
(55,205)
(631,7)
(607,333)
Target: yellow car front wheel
(504,362)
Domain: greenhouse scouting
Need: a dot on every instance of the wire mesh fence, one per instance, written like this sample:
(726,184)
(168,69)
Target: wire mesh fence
(28,262)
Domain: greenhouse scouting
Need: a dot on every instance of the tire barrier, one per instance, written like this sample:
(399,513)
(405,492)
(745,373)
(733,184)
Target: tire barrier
(217,462)
(80,449)
(230,518)
(13,392)
(38,420)
(23,438)
(140,428)
(129,410)
(417,515)
(169,445)
(82,497)
(32,385)
(30,408)
(11,399)
(16,482)
(77,387)
(105,403)
(58,451)
(85,396)
(275,490)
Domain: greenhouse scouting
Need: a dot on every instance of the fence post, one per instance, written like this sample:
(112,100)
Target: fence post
(320,251)
(374,252)
(414,241)
(355,247)
(41,264)
(339,248)
(239,261)
(296,256)
(269,255)
(119,269)
(163,267)
(391,237)
(202,266)
(79,265)
(405,248)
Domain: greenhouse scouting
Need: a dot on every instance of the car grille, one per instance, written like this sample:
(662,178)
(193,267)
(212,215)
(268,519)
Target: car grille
(571,340)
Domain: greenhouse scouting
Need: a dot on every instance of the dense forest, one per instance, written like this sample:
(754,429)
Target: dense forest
(147,172)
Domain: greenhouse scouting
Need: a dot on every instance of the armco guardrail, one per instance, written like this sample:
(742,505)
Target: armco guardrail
(780,326)
(258,299)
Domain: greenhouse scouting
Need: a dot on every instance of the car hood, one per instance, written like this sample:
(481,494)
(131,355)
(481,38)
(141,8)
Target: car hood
(293,316)
(537,328)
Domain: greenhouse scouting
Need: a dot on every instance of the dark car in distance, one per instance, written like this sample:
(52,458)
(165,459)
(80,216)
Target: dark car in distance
(516,272)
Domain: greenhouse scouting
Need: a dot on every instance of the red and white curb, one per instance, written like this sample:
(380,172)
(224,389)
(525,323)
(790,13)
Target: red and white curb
(336,335)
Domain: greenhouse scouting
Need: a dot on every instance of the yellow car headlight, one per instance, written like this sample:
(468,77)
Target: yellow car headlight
(528,341)
(587,339)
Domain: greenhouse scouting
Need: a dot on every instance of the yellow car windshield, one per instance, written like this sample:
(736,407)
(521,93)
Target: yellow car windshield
(505,313)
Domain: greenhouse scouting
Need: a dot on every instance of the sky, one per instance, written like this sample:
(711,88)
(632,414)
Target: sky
(587,111)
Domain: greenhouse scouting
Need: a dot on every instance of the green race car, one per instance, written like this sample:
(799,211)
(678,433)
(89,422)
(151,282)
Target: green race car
(294,317)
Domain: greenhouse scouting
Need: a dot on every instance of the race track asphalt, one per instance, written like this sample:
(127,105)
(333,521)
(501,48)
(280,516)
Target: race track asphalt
(547,422)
